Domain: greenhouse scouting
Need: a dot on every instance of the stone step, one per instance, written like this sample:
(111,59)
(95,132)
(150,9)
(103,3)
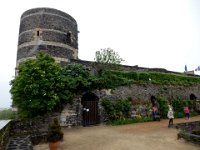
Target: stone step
(20,143)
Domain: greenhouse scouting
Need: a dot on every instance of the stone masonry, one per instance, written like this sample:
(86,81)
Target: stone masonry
(49,30)
(140,95)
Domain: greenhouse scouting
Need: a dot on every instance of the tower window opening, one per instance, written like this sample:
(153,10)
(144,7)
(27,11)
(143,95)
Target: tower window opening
(68,38)
(38,33)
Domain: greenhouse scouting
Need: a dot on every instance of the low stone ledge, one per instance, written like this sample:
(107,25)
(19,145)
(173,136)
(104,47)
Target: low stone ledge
(189,137)
(186,131)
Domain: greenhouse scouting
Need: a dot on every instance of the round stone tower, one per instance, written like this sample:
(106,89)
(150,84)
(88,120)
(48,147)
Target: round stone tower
(49,30)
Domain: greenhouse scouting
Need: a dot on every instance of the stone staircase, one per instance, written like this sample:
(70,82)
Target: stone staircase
(20,143)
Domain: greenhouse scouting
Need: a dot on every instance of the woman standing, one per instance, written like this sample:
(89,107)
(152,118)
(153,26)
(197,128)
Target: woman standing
(170,115)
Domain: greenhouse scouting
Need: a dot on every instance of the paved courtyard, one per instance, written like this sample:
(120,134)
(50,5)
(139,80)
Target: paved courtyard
(138,136)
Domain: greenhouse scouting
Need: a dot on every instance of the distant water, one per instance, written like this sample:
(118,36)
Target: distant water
(3,123)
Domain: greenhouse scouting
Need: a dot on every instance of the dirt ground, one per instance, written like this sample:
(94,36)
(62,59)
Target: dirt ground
(138,136)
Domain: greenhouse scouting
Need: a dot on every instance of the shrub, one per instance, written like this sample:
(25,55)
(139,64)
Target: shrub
(109,108)
(54,132)
(42,86)
(36,89)
(194,114)
(178,106)
(179,115)
(163,106)
(158,77)
(118,109)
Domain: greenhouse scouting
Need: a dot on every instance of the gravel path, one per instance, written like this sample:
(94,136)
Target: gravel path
(138,136)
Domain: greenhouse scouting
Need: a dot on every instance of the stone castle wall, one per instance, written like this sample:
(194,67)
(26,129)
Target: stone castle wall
(144,92)
(140,95)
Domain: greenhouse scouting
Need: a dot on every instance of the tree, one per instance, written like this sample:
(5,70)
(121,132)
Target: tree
(37,88)
(42,85)
(106,59)
(108,56)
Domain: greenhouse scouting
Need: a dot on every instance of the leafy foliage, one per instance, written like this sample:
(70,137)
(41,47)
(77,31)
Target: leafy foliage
(110,80)
(178,106)
(35,91)
(157,78)
(108,56)
(42,86)
(7,114)
(107,59)
(77,78)
(117,110)
(163,106)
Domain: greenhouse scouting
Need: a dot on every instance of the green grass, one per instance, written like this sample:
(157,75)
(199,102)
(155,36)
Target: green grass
(130,120)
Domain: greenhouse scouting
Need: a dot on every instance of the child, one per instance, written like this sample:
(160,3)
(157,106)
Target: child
(154,112)
(170,115)
(187,112)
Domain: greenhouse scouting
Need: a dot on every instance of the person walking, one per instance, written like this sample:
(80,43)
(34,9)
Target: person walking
(170,115)
(187,112)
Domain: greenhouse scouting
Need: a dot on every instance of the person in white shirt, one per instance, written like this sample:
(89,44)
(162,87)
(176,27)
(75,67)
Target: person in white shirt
(170,115)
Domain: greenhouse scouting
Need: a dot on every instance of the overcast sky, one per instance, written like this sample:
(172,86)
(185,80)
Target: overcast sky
(147,33)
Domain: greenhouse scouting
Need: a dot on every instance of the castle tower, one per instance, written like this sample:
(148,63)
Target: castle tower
(49,30)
